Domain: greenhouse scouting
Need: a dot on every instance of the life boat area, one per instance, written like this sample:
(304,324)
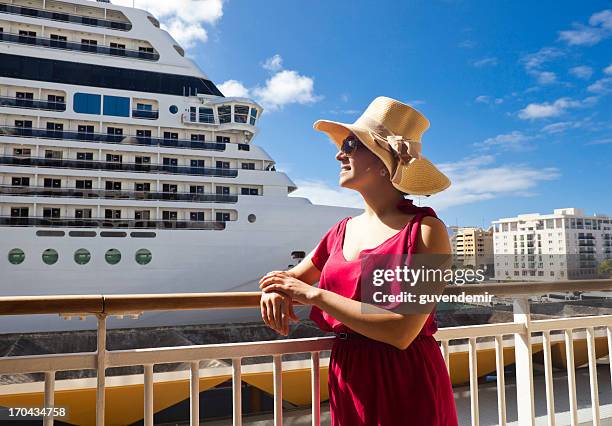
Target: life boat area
(515,362)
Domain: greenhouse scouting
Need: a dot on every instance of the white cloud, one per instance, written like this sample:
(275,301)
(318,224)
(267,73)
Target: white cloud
(234,88)
(467,44)
(513,141)
(544,110)
(478,179)
(286,87)
(546,77)
(608,70)
(274,64)
(484,62)
(599,28)
(534,61)
(601,86)
(581,71)
(320,192)
(183,19)
(484,99)
(415,102)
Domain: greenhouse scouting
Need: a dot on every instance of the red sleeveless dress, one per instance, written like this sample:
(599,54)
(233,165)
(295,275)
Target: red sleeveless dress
(371,382)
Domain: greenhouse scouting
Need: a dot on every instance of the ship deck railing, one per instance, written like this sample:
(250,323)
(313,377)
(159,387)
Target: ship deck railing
(523,329)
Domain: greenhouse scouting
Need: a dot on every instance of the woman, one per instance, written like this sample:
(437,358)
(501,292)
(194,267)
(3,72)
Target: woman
(384,369)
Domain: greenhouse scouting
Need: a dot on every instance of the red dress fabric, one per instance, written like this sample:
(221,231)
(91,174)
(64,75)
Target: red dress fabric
(371,382)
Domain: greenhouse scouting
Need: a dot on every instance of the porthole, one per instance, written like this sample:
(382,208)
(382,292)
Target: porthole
(16,256)
(50,256)
(173,109)
(143,256)
(82,256)
(113,256)
(252,218)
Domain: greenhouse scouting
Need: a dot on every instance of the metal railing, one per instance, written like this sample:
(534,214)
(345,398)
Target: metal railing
(117,166)
(147,114)
(112,223)
(522,329)
(64,17)
(40,191)
(32,103)
(30,132)
(76,46)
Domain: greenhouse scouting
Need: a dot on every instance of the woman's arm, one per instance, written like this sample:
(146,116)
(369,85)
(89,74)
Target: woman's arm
(396,329)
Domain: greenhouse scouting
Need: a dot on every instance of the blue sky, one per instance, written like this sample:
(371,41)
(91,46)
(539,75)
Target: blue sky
(519,94)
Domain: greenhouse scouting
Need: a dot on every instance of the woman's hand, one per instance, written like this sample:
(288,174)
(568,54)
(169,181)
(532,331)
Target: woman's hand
(276,311)
(284,282)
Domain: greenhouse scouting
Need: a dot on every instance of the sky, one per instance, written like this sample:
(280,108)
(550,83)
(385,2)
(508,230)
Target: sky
(518,94)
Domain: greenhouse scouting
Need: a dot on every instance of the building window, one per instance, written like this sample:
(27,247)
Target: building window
(82,256)
(112,256)
(117,106)
(16,256)
(143,256)
(86,103)
(49,256)
(20,181)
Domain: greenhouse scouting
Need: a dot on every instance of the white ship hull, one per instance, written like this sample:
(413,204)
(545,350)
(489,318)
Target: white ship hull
(183,261)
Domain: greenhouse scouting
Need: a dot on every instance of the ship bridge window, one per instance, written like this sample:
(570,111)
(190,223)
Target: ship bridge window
(206,115)
(154,21)
(240,113)
(179,49)
(253,116)
(117,106)
(225,114)
(86,103)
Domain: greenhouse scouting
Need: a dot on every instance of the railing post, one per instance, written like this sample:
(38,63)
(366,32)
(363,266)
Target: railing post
(315,381)
(524,363)
(49,396)
(101,369)
(148,394)
(194,382)
(237,391)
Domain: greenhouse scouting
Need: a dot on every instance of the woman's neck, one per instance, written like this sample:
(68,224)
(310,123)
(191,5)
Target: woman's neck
(381,203)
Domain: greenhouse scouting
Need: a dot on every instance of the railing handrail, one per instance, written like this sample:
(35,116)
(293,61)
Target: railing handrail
(125,303)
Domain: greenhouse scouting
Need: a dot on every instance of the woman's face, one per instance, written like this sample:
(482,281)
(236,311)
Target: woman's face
(360,169)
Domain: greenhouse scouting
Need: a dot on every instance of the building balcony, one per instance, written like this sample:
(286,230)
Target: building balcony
(32,103)
(30,132)
(77,47)
(118,166)
(39,191)
(64,17)
(523,372)
(110,223)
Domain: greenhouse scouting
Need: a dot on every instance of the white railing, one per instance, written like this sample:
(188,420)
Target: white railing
(522,329)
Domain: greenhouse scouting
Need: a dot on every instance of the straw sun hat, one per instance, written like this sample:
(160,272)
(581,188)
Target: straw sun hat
(392,131)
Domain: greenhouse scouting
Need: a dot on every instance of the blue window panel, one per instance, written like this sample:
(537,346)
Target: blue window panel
(117,106)
(86,103)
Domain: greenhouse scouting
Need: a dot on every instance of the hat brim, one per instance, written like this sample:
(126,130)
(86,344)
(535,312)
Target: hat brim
(419,177)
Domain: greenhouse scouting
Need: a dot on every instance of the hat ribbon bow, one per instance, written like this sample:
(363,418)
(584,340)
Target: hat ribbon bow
(404,149)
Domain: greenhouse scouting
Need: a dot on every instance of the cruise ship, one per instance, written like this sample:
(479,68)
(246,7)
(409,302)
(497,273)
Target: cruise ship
(124,169)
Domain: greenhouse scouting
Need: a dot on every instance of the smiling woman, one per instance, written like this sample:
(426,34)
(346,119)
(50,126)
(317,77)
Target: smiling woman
(384,366)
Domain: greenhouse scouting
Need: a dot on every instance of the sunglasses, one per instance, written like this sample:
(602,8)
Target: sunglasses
(349,145)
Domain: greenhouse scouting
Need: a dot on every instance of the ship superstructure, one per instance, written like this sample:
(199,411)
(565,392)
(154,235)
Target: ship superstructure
(123,168)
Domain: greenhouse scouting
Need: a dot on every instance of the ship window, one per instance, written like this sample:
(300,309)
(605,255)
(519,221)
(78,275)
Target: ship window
(198,138)
(143,256)
(113,234)
(196,216)
(240,113)
(50,256)
(112,256)
(196,189)
(143,234)
(179,49)
(206,115)
(225,114)
(117,106)
(222,217)
(82,213)
(173,109)
(82,234)
(82,256)
(56,99)
(45,233)
(52,183)
(53,213)
(20,181)
(86,103)
(83,184)
(112,214)
(87,156)
(19,211)
(252,218)
(16,256)
(169,215)
(223,139)
(248,166)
